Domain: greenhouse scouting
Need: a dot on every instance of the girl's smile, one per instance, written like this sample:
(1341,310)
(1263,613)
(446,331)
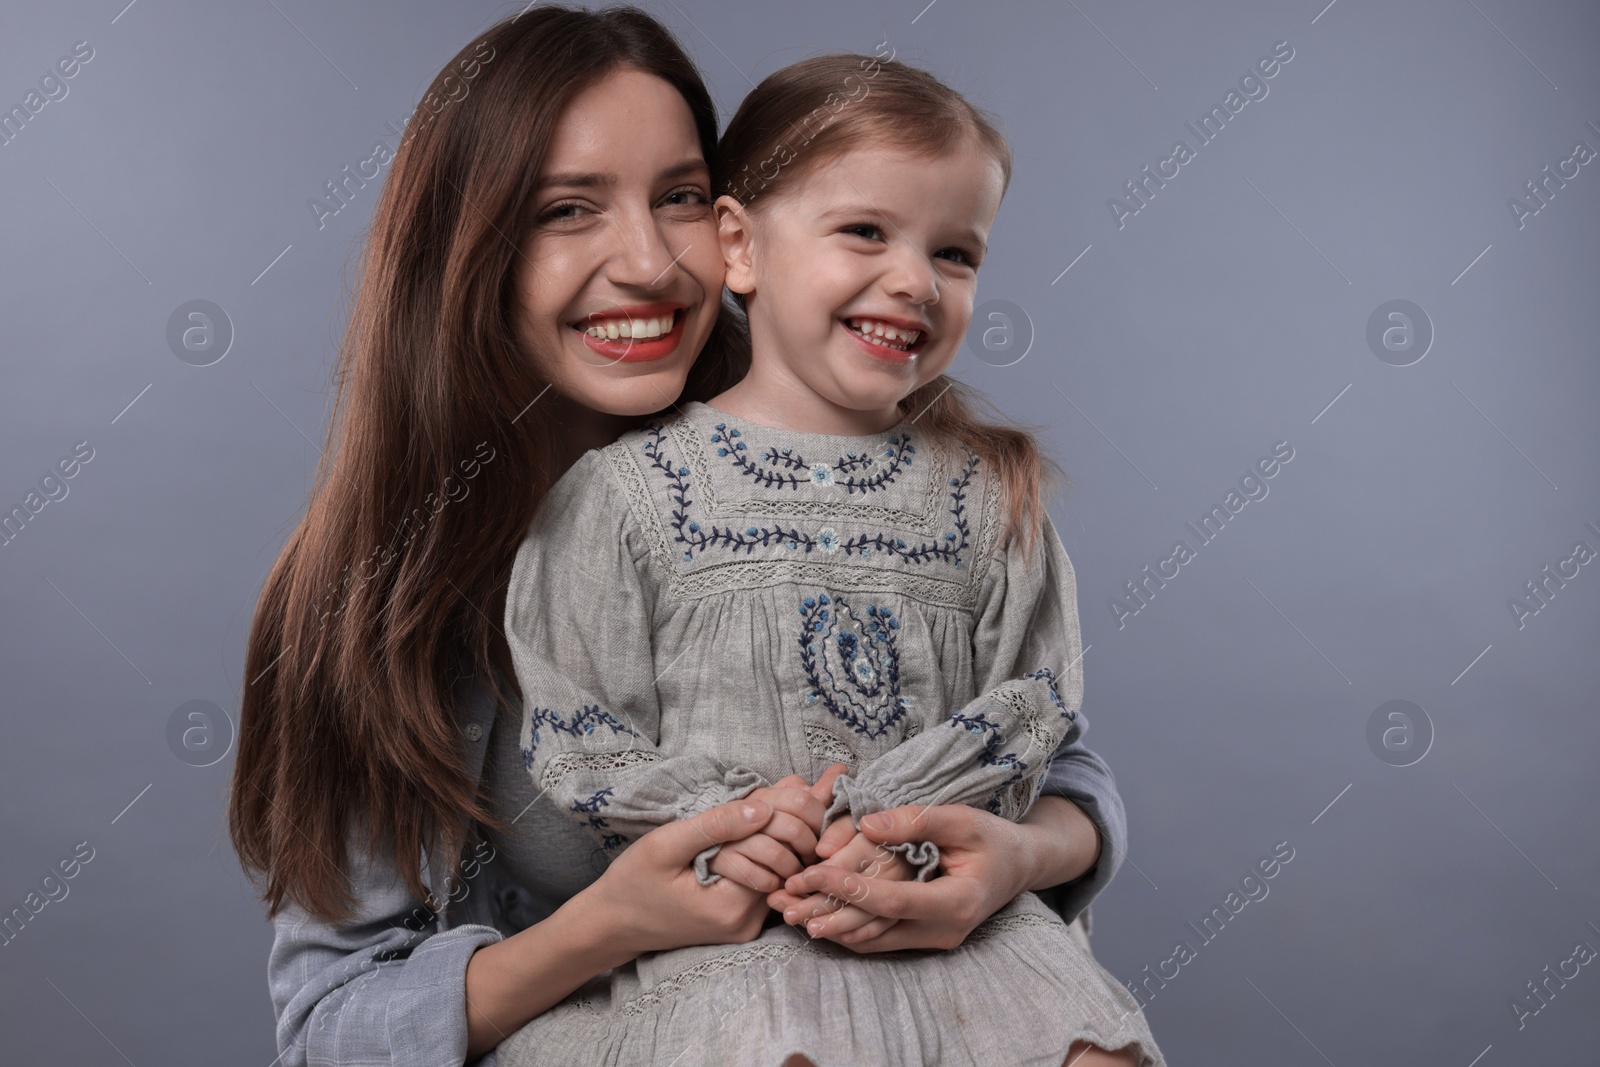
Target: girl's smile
(894,340)
(859,279)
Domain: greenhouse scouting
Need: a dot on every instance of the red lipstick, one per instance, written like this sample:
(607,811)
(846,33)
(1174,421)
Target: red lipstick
(633,350)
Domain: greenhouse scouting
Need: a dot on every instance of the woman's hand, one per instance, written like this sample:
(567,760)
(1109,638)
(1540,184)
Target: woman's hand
(648,898)
(985,862)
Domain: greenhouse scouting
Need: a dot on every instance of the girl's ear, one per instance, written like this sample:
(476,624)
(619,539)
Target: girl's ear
(736,238)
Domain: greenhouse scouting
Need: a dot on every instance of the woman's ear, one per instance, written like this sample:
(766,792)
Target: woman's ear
(736,238)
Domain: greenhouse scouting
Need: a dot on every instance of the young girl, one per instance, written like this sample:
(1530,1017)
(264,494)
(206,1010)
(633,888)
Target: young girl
(880,585)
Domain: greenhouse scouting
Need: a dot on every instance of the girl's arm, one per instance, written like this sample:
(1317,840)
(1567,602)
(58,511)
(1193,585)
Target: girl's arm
(578,621)
(993,753)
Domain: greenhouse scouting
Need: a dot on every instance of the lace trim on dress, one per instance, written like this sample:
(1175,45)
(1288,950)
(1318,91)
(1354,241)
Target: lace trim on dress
(1027,713)
(758,953)
(822,744)
(564,763)
(1002,923)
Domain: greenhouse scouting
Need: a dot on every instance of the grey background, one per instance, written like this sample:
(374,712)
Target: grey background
(1227,315)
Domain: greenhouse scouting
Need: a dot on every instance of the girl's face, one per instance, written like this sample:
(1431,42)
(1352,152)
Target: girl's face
(860,277)
(620,276)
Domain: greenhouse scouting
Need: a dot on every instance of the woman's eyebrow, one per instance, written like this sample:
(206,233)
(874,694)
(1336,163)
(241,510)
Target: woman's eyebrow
(685,169)
(594,180)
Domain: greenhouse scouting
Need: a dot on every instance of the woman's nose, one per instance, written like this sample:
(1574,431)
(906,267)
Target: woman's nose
(642,258)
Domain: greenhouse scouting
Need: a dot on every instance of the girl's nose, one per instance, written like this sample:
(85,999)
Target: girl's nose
(913,277)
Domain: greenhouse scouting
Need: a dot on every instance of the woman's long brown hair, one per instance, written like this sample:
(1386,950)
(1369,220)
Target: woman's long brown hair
(436,459)
(813,111)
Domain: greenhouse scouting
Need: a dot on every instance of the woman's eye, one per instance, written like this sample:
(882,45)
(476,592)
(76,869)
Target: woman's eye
(562,212)
(686,197)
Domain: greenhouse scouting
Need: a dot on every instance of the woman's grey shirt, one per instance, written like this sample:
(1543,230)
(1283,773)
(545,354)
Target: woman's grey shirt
(389,986)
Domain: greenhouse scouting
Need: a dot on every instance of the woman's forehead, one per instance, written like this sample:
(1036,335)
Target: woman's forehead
(627,115)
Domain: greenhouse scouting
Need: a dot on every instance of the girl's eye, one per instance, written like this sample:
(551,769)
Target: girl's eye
(865,230)
(961,256)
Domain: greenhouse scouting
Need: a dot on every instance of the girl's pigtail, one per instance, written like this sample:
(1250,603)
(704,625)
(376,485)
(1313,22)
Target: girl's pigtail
(949,409)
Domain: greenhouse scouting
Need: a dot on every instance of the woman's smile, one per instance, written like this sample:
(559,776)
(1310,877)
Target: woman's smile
(621,275)
(634,334)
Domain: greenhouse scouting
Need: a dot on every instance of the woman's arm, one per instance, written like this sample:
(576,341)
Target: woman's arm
(368,990)
(1063,843)
(377,989)
(1082,778)
(648,899)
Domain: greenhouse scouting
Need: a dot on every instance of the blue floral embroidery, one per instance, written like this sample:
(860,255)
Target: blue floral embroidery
(597,800)
(785,469)
(584,721)
(696,538)
(853,668)
(979,724)
(1055,694)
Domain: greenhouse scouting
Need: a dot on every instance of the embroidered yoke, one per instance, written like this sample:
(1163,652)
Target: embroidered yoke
(708,605)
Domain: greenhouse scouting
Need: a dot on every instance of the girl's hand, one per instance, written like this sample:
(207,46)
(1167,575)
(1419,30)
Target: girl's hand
(763,860)
(985,862)
(825,915)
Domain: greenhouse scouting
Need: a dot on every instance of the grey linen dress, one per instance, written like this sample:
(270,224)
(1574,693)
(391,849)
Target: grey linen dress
(708,605)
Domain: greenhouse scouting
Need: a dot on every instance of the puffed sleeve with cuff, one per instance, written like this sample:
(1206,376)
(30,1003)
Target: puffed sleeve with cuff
(992,753)
(578,618)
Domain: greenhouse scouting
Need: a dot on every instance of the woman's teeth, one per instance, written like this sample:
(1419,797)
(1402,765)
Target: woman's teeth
(884,334)
(636,329)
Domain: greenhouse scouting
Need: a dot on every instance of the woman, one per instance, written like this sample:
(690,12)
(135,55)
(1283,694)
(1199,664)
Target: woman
(423,908)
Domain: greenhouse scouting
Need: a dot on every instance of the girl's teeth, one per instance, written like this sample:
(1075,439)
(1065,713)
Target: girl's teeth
(896,338)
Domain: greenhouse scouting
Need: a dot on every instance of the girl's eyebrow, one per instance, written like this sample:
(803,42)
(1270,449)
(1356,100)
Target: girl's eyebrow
(580,180)
(865,210)
(848,210)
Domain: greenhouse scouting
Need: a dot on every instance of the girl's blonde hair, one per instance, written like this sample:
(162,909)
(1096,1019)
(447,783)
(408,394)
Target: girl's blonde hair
(812,112)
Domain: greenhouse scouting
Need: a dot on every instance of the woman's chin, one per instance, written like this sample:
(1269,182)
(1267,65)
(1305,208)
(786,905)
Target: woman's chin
(635,394)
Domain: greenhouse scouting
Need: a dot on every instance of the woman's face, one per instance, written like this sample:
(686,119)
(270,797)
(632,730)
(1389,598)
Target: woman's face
(620,277)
